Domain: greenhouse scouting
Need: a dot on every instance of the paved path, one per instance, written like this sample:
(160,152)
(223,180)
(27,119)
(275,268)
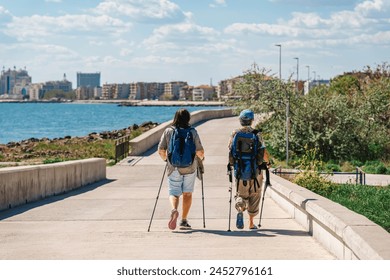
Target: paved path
(109,220)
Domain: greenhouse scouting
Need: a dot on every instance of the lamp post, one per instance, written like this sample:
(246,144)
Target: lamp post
(314,78)
(280,60)
(308,78)
(297,86)
(287,100)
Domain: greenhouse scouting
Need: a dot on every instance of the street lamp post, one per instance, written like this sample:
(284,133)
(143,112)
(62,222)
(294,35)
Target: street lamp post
(314,78)
(280,60)
(287,100)
(308,78)
(297,86)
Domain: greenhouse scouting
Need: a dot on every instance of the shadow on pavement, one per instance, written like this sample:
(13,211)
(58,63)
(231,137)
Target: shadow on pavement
(4,214)
(243,233)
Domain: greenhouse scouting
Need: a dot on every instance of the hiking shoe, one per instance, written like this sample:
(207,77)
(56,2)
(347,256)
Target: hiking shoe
(254,227)
(184,225)
(173,220)
(240,220)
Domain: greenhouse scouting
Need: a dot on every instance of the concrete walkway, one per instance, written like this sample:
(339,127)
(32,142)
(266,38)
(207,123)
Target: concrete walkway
(109,220)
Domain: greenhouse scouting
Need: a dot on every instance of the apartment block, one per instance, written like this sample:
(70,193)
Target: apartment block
(203,92)
(85,93)
(172,89)
(115,91)
(141,90)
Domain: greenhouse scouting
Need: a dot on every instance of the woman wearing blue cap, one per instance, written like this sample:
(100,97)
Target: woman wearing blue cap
(248,192)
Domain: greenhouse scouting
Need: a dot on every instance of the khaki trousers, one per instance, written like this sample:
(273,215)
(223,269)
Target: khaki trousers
(248,197)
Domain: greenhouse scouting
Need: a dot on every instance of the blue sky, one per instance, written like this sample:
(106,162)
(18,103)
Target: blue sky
(195,41)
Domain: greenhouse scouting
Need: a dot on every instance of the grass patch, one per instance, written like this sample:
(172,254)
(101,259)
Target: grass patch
(369,201)
(73,150)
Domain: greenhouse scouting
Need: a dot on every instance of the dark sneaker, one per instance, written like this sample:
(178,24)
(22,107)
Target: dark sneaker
(173,220)
(254,227)
(240,220)
(184,225)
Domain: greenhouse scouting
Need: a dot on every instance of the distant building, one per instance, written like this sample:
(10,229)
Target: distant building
(203,92)
(186,93)
(141,90)
(312,84)
(115,91)
(172,89)
(64,85)
(14,78)
(85,93)
(226,88)
(108,91)
(35,91)
(88,79)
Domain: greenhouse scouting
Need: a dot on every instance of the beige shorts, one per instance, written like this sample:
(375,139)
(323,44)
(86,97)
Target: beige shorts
(248,197)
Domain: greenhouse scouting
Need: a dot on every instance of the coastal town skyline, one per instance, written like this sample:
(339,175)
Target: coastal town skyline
(201,42)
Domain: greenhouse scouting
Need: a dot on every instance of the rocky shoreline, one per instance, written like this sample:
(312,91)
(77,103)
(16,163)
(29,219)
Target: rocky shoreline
(36,151)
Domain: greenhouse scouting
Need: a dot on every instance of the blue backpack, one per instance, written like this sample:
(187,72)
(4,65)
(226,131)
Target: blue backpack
(244,151)
(181,149)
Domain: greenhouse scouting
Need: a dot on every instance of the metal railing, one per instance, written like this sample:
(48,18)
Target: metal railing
(360,175)
(122,148)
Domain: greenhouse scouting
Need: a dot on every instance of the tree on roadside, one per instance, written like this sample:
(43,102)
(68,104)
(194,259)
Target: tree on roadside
(350,120)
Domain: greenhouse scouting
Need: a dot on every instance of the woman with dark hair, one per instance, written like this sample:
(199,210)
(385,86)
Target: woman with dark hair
(181,180)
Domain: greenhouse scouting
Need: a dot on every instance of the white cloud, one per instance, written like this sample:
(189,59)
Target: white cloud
(39,27)
(310,20)
(262,28)
(5,15)
(157,60)
(339,28)
(185,34)
(218,3)
(368,6)
(316,3)
(142,10)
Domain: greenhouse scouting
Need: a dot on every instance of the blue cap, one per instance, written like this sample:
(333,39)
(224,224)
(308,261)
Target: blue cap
(247,115)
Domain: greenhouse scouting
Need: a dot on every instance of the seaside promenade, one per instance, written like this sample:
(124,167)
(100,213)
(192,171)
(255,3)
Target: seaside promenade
(109,219)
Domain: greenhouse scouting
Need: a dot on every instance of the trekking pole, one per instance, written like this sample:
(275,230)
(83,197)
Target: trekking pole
(266,184)
(204,220)
(229,172)
(158,194)
(200,173)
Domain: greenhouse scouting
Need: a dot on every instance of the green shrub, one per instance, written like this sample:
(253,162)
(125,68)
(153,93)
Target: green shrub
(135,133)
(381,169)
(375,167)
(348,167)
(332,167)
(52,160)
(356,163)
(315,182)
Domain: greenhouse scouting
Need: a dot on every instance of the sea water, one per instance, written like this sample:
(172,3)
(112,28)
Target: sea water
(20,121)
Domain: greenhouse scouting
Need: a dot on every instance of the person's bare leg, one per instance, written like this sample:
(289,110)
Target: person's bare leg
(174,201)
(187,202)
(251,223)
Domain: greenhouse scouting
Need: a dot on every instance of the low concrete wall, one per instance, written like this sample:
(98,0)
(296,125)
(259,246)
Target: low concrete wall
(147,140)
(19,185)
(342,232)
